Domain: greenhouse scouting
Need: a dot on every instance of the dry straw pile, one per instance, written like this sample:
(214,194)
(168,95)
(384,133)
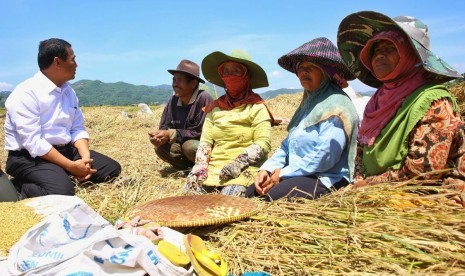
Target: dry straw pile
(381,230)
(410,229)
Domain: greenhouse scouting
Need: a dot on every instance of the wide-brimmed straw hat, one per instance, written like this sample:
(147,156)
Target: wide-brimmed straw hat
(357,28)
(211,62)
(188,67)
(320,51)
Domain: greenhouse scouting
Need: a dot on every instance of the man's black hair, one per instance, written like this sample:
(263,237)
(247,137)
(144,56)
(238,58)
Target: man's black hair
(51,48)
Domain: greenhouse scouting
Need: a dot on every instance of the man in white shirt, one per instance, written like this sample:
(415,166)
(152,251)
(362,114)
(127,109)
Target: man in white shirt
(45,133)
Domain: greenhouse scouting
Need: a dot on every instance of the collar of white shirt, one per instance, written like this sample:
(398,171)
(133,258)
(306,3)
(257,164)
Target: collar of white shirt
(46,85)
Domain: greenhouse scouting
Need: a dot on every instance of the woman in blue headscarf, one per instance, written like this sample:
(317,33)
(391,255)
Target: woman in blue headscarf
(318,153)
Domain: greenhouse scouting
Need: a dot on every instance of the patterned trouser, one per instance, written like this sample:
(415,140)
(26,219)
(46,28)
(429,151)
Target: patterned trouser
(232,190)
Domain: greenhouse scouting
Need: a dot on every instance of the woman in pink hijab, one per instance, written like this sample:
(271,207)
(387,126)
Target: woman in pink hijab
(411,126)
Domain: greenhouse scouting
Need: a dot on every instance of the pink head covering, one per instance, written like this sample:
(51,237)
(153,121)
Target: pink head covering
(408,58)
(407,76)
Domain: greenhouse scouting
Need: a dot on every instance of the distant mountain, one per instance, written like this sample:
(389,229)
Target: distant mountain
(3,96)
(367,93)
(215,91)
(273,93)
(163,86)
(94,92)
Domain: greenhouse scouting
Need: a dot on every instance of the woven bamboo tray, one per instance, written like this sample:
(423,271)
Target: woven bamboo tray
(195,210)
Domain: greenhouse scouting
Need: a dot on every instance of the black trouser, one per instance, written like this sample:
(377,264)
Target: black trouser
(38,177)
(309,187)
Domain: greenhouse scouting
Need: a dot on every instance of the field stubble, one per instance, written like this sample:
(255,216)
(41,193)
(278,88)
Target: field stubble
(411,229)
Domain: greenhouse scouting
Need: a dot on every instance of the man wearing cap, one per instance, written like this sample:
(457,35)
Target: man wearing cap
(181,123)
(45,133)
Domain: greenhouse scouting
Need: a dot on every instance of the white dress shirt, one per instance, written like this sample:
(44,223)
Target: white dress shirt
(40,115)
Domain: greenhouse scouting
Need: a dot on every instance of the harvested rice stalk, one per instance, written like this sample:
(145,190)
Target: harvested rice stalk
(16,218)
(380,230)
(338,234)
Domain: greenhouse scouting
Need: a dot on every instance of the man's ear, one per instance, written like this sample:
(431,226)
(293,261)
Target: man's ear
(56,60)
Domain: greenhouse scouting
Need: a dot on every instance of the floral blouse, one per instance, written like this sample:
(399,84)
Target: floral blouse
(437,143)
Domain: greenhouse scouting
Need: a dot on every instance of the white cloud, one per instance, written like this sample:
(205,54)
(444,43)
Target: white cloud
(4,86)
(275,74)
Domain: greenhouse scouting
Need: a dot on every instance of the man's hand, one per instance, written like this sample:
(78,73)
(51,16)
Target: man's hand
(159,137)
(92,171)
(81,169)
(82,145)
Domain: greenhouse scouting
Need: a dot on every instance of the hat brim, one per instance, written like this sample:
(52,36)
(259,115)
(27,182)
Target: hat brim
(211,62)
(187,73)
(289,62)
(356,29)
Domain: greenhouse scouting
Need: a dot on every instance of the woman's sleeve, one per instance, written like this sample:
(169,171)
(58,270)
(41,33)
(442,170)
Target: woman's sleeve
(279,158)
(207,129)
(326,152)
(261,127)
(429,145)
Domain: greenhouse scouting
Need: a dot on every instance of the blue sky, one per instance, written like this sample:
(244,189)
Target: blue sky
(137,41)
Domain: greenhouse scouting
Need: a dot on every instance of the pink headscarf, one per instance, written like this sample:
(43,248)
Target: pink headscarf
(397,85)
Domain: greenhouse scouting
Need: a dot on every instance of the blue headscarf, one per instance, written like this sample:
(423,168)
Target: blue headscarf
(327,101)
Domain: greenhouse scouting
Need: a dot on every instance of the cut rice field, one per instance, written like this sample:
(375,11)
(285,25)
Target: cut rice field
(392,228)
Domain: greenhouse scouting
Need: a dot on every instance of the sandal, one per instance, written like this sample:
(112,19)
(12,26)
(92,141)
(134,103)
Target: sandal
(205,262)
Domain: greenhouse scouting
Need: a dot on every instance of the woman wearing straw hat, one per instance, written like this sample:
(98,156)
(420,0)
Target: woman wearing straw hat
(412,124)
(236,136)
(319,151)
